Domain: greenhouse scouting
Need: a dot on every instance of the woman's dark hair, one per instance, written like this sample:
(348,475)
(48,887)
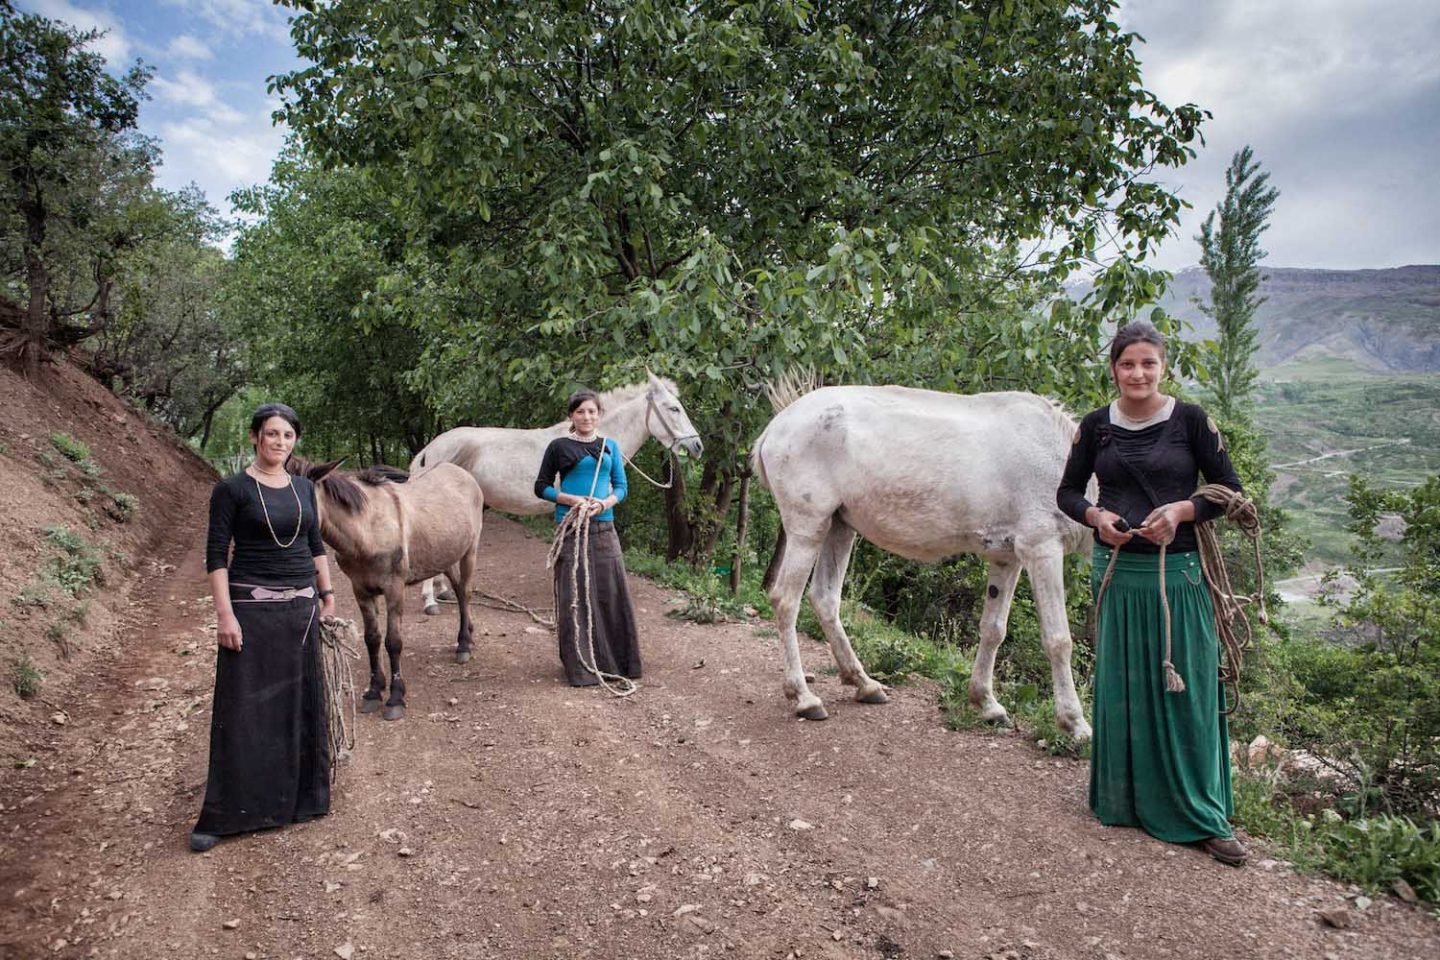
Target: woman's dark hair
(579,397)
(267,410)
(1137,331)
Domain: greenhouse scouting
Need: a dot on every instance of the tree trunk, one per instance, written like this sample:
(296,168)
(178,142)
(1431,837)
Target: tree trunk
(772,570)
(35,324)
(681,533)
(742,530)
(723,496)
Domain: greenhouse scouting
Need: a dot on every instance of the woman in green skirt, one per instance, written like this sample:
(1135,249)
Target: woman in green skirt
(1160,758)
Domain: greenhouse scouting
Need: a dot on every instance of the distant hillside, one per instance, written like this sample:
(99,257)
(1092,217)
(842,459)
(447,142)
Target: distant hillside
(1380,320)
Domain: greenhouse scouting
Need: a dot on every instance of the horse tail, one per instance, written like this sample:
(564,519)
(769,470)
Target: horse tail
(757,467)
(791,386)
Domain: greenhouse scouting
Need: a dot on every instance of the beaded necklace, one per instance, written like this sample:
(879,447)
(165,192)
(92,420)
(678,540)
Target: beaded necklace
(299,513)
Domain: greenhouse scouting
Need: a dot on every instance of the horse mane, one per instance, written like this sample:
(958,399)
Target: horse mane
(610,399)
(791,386)
(1062,416)
(344,490)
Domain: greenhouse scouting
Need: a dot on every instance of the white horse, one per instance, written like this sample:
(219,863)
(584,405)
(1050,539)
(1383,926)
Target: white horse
(505,461)
(924,475)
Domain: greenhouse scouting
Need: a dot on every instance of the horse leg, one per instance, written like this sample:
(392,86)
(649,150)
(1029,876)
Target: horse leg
(1047,581)
(395,646)
(826,586)
(459,576)
(371,618)
(427,597)
(994,620)
(785,594)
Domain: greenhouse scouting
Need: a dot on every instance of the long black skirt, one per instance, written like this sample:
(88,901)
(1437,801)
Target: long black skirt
(269,748)
(617,641)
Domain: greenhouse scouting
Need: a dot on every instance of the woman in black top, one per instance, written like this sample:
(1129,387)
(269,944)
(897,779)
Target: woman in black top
(269,752)
(1160,759)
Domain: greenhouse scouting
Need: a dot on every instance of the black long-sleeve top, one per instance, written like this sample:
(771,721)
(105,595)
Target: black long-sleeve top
(236,514)
(1166,455)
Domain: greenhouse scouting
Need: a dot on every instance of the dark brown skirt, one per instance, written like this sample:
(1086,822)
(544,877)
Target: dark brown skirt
(617,641)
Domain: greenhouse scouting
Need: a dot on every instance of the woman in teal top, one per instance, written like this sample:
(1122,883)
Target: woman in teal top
(583,471)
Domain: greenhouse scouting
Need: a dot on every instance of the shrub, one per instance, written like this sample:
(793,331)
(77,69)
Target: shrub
(79,562)
(26,678)
(69,447)
(122,506)
(1377,852)
(59,634)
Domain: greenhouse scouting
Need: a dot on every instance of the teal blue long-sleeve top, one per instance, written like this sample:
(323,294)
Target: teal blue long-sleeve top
(574,464)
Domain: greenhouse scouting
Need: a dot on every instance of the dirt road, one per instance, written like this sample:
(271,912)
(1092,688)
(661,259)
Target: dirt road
(512,816)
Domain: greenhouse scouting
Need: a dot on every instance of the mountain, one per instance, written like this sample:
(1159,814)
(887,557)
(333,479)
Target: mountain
(1381,320)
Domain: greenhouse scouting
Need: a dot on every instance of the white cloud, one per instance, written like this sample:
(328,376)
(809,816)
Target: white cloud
(188,47)
(115,46)
(240,17)
(188,88)
(220,151)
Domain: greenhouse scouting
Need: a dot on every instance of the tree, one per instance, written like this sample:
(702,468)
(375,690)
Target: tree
(70,163)
(312,276)
(1230,255)
(723,190)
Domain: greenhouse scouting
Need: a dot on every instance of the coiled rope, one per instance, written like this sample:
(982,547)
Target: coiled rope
(339,644)
(1240,510)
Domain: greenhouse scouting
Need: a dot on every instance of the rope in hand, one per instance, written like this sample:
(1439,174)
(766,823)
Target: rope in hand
(1241,510)
(574,526)
(338,646)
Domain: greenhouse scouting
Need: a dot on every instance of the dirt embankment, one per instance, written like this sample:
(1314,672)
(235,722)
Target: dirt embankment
(512,816)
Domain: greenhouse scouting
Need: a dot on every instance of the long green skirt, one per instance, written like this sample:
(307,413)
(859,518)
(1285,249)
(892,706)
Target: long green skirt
(1159,760)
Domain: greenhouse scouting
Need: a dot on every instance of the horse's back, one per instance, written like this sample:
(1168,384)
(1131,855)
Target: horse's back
(443,507)
(504,461)
(921,473)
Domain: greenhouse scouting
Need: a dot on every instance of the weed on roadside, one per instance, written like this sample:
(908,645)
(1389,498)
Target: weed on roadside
(70,448)
(26,677)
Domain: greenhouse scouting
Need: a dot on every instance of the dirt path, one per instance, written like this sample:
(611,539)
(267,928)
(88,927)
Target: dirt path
(511,816)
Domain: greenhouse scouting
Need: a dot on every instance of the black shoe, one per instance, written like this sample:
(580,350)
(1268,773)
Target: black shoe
(200,842)
(1227,850)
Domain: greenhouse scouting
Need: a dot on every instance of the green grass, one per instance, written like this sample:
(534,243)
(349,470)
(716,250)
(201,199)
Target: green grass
(69,447)
(1385,427)
(78,563)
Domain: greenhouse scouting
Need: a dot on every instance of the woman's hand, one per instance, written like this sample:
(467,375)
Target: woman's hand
(327,605)
(227,631)
(1105,522)
(1159,528)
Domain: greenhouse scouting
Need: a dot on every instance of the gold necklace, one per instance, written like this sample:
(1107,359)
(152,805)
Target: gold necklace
(299,514)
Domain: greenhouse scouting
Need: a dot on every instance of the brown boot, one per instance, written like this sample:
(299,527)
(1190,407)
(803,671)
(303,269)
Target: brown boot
(1227,850)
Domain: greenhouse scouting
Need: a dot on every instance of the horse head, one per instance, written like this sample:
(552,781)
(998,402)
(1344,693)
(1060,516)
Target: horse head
(667,420)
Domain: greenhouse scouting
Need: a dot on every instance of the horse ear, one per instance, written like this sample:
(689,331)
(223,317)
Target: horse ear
(325,469)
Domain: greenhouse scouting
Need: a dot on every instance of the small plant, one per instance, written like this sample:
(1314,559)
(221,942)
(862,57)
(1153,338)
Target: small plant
(90,468)
(79,563)
(700,610)
(35,594)
(59,634)
(77,614)
(122,506)
(1375,853)
(70,448)
(26,678)
(84,495)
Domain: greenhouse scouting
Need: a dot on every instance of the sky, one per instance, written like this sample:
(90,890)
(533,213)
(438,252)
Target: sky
(1339,99)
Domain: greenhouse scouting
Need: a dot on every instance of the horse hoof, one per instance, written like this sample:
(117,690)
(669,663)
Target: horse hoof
(876,695)
(395,711)
(369,706)
(1000,720)
(462,656)
(432,609)
(816,711)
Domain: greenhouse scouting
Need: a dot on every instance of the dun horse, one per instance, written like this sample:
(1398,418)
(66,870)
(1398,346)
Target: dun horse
(924,475)
(504,461)
(389,529)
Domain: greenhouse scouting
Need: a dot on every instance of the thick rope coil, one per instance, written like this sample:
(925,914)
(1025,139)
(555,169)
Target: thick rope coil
(339,644)
(1241,510)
